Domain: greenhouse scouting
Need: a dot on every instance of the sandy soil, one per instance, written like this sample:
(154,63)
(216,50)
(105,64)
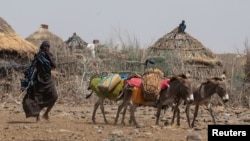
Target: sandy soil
(73,123)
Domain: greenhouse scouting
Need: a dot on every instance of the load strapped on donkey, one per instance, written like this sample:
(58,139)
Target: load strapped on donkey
(148,86)
(107,83)
(151,83)
(107,86)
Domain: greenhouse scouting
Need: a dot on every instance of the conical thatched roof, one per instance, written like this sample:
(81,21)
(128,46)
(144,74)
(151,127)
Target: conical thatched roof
(189,49)
(42,34)
(11,42)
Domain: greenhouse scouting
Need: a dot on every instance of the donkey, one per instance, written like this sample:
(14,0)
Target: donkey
(180,90)
(112,95)
(180,87)
(203,94)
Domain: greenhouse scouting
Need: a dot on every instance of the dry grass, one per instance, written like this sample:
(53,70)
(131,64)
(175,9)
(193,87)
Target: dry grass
(72,82)
(74,70)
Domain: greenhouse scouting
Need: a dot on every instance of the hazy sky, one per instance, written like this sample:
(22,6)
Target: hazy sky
(223,26)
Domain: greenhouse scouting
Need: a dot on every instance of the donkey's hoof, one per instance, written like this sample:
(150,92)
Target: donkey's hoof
(37,118)
(166,123)
(46,117)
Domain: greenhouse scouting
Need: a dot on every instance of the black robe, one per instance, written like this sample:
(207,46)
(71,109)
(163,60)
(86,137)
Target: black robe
(42,94)
(43,91)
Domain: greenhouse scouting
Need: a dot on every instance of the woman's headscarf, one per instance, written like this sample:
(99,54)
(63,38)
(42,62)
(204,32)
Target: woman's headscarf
(43,45)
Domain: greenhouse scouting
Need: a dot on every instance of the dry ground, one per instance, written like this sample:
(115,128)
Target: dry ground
(73,123)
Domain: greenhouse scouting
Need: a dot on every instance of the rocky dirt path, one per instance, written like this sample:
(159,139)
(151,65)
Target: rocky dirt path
(73,123)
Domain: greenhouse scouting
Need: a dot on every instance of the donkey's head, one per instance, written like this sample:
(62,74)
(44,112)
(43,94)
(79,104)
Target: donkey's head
(220,87)
(182,85)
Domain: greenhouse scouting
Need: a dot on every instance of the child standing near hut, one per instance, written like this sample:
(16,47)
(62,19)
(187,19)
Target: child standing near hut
(182,26)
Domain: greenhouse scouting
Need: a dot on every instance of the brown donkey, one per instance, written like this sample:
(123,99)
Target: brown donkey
(112,95)
(203,94)
(180,88)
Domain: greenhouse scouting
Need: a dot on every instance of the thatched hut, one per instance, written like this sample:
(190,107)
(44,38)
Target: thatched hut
(14,50)
(42,34)
(57,45)
(183,52)
(15,54)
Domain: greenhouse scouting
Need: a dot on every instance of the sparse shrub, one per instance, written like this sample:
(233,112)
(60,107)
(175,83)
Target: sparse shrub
(247,65)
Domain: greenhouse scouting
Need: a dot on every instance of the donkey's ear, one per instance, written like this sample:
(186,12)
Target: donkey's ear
(223,76)
(188,74)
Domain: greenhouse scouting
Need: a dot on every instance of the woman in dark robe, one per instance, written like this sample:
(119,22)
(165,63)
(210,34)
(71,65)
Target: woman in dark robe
(41,91)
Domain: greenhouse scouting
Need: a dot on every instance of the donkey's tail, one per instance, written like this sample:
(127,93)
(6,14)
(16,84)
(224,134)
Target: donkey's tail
(120,96)
(88,96)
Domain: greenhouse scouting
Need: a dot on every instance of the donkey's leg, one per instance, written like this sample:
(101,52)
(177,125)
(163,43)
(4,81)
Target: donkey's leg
(178,116)
(124,113)
(120,107)
(174,113)
(102,109)
(38,118)
(95,108)
(124,105)
(187,114)
(158,113)
(211,112)
(132,114)
(179,112)
(129,104)
(195,114)
(176,110)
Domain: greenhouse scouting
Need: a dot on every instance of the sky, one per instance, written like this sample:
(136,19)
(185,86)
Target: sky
(223,26)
